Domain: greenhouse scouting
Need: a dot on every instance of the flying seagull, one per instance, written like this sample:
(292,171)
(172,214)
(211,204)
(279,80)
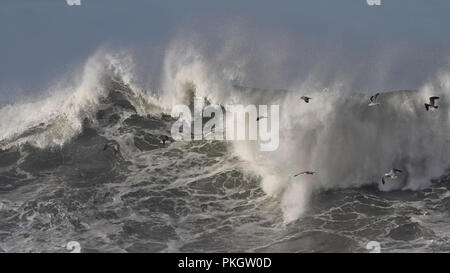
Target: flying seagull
(114,146)
(260,117)
(164,138)
(213,130)
(305,172)
(305,98)
(374,100)
(431,103)
(392,174)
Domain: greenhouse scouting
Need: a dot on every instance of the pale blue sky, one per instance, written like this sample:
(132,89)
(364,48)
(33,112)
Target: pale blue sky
(41,39)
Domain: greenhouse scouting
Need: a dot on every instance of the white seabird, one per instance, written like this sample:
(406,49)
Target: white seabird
(392,174)
(432,103)
(304,172)
(305,98)
(374,100)
(163,139)
(114,146)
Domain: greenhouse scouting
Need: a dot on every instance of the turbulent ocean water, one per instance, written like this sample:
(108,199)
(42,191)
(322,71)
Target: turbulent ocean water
(58,183)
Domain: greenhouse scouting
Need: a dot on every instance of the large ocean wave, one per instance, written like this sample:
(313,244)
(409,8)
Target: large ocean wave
(337,135)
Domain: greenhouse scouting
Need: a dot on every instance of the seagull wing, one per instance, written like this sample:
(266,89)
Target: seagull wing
(382,180)
(305,98)
(432,99)
(374,98)
(397,170)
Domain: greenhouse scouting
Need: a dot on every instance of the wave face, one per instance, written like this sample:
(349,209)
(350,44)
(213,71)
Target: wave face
(350,144)
(58,183)
(346,142)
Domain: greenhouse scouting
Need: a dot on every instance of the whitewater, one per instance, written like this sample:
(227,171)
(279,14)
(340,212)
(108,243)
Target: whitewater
(58,184)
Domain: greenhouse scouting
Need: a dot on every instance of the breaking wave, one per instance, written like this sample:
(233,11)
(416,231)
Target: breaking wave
(337,135)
